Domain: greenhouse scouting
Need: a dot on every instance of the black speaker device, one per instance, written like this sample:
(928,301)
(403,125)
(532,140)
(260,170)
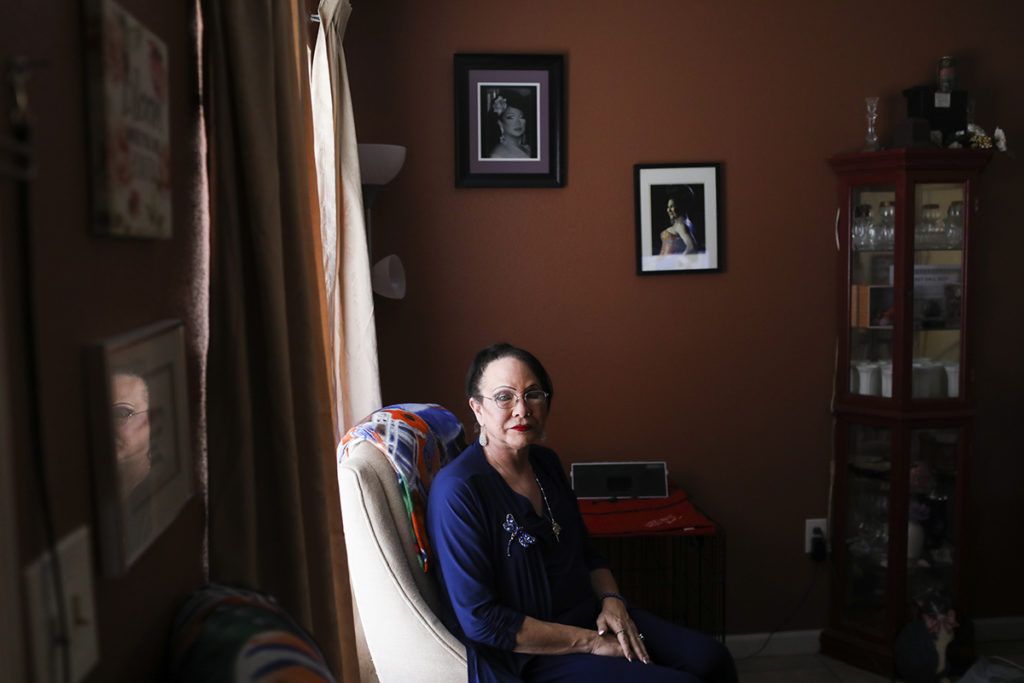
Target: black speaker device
(619,479)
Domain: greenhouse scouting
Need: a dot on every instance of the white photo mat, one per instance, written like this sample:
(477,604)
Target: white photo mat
(653,183)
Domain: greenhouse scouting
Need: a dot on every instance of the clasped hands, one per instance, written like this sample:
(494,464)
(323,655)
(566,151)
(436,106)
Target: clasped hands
(618,633)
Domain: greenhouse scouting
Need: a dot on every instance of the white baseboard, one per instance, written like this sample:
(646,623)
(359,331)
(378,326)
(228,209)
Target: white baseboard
(788,643)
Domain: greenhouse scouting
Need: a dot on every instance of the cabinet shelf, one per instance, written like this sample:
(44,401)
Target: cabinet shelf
(921,250)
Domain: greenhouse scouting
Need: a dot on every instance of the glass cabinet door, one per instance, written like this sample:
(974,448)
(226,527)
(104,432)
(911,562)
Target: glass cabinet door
(872,244)
(869,470)
(937,289)
(930,514)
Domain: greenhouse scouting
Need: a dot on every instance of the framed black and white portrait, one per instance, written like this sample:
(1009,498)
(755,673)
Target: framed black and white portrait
(509,121)
(678,218)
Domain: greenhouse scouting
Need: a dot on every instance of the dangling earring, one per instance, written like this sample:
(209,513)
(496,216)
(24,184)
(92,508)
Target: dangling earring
(483,437)
(543,436)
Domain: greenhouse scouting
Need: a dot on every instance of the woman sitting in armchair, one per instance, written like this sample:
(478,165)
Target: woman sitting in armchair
(528,593)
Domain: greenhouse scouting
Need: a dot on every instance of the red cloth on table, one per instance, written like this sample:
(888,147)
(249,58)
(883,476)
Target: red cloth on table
(674,515)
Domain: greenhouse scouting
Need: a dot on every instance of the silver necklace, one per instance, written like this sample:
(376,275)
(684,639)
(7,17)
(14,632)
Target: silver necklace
(556,528)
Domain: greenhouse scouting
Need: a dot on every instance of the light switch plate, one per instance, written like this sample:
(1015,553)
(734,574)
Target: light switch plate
(80,611)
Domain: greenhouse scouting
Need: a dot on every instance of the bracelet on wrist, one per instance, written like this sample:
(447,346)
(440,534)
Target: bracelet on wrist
(613,595)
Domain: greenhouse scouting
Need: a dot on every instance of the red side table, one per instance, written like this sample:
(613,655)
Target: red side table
(667,556)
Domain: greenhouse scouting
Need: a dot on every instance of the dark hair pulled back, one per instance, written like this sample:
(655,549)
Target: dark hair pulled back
(504,350)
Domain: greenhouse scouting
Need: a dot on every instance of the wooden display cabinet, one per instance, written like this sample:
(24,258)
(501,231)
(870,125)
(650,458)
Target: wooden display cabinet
(903,394)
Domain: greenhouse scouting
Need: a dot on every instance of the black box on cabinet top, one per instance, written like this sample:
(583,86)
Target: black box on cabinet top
(946,112)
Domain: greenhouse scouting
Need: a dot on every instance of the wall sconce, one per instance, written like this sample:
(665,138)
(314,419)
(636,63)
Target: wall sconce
(378,166)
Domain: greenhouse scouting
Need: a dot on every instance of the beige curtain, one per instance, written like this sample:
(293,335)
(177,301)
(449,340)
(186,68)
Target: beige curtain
(353,342)
(273,510)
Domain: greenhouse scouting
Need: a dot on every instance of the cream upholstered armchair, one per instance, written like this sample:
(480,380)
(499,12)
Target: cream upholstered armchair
(397,602)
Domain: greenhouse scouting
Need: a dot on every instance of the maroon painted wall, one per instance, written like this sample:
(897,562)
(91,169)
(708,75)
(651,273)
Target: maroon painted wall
(87,288)
(726,376)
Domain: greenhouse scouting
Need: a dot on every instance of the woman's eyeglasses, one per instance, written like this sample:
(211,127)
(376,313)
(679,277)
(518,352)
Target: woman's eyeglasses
(507,399)
(124,413)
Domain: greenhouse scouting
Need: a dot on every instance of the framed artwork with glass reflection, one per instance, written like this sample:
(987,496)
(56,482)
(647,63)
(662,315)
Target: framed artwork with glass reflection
(142,448)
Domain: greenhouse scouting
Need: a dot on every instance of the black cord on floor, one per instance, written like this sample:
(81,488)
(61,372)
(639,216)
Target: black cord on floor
(785,620)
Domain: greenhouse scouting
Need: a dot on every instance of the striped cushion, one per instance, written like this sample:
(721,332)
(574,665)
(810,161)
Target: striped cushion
(232,634)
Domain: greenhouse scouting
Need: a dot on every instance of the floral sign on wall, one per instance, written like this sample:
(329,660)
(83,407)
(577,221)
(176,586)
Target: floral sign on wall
(130,139)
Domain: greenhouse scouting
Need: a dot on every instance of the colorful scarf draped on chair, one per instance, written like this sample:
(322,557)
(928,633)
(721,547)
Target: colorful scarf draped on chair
(418,439)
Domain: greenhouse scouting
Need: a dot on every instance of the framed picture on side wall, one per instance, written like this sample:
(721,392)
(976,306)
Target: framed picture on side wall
(129,124)
(678,218)
(138,405)
(509,121)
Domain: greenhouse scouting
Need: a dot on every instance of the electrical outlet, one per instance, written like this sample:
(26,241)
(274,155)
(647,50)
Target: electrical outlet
(809,526)
(79,611)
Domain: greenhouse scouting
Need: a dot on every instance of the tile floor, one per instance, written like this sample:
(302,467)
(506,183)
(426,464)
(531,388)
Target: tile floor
(817,668)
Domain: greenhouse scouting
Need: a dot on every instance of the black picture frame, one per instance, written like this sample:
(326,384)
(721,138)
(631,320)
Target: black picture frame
(689,240)
(489,85)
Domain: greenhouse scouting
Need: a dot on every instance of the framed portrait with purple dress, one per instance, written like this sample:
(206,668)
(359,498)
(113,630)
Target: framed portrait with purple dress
(509,120)
(678,218)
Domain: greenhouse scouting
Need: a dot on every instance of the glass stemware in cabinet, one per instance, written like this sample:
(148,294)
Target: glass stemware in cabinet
(887,226)
(864,235)
(955,225)
(930,231)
